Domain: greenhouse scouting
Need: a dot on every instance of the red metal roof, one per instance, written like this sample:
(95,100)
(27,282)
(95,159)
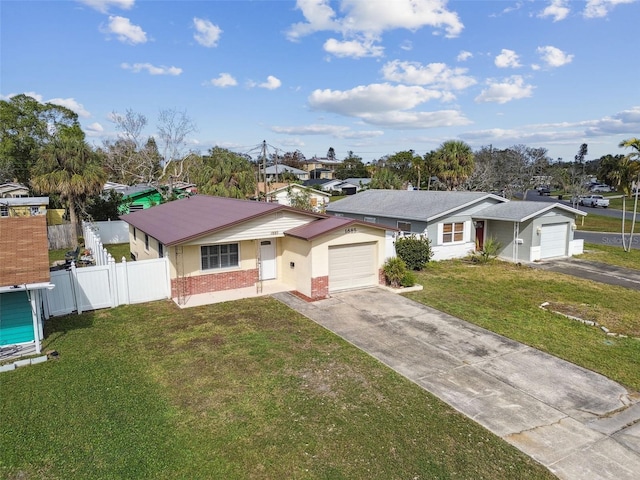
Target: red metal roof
(24,250)
(182,220)
(320,227)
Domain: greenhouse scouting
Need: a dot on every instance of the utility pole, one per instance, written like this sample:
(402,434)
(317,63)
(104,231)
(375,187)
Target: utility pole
(264,169)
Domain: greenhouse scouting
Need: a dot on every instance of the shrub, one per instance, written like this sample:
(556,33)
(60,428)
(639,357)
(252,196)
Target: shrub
(409,279)
(394,271)
(415,250)
(489,251)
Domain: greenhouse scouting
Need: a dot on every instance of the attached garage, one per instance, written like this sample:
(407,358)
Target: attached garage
(553,240)
(352,266)
(16,318)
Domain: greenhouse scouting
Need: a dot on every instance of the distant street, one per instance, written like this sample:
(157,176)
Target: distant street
(613,239)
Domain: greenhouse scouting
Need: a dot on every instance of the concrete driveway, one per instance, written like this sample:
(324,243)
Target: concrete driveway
(596,271)
(577,423)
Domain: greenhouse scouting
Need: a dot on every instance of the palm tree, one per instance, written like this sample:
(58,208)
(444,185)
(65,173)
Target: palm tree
(457,163)
(632,170)
(70,168)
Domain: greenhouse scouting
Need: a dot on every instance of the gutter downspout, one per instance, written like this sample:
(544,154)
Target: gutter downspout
(516,234)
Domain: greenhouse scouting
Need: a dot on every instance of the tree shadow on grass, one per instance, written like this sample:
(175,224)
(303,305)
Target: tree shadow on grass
(56,328)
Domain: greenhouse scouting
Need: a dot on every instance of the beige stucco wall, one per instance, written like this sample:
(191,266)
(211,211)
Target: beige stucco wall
(191,265)
(299,252)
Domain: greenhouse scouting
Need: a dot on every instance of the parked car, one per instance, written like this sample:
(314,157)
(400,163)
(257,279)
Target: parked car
(594,201)
(601,188)
(544,190)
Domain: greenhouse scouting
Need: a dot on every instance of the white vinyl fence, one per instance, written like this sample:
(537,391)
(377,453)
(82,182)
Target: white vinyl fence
(107,284)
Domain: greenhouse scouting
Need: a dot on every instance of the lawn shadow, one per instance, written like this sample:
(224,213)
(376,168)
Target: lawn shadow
(56,328)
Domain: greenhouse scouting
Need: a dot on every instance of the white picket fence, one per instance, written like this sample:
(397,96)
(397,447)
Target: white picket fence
(107,284)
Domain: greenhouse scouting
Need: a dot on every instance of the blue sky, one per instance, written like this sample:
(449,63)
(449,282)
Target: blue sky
(370,76)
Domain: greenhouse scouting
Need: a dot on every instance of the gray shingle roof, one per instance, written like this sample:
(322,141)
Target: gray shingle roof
(520,211)
(422,205)
(182,220)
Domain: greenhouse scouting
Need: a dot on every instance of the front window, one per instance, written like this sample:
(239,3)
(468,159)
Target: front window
(453,232)
(219,256)
(4,211)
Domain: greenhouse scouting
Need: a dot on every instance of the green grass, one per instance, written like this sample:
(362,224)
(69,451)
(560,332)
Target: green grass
(613,255)
(248,389)
(505,298)
(116,250)
(599,223)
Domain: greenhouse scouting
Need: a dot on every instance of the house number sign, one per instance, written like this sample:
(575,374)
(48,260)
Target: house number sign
(350,230)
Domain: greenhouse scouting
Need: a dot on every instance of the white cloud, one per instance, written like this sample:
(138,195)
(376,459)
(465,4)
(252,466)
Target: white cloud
(512,88)
(600,8)
(207,34)
(125,31)
(554,57)
(223,80)
(557,9)
(435,74)
(152,69)
(271,84)
(353,48)
(507,59)
(407,45)
(625,122)
(71,104)
(335,131)
(104,5)
(368,20)
(463,56)
(418,120)
(34,95)
(371,99)
(94,130)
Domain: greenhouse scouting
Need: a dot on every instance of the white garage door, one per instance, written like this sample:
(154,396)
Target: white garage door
(352,266)
(553,240)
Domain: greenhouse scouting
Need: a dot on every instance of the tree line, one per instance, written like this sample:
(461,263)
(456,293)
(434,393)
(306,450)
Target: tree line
(43,146)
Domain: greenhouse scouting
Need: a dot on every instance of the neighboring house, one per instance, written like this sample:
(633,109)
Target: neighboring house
(142,196)
(321,168)
(283,195)
(23,206)
(218,243)
(24,273)
(274,173)
(13,190)
(348,186)
(458,223)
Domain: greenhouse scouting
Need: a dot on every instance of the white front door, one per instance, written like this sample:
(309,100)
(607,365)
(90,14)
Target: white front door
(267,259)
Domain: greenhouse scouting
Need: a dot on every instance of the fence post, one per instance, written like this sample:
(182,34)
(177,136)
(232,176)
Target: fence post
(76,287)
(125,277)
(113,281)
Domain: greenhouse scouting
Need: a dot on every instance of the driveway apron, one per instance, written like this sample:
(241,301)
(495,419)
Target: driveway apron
(577,423)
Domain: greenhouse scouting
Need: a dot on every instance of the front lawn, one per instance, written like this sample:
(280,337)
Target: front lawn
(505,298)
(599,223)
(247,389)
(613,255)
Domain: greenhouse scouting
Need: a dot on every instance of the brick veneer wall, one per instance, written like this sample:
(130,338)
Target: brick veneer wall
(320,287)
(215,282)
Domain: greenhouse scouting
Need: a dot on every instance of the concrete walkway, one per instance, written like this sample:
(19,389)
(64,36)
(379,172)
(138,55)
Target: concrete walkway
(577,423)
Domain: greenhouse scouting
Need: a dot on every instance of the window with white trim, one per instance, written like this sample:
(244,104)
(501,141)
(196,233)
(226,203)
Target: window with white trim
(370,219)
(453,232)
(219,256)
(4,211)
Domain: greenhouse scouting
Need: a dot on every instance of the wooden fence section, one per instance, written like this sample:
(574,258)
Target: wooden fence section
(61,236)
